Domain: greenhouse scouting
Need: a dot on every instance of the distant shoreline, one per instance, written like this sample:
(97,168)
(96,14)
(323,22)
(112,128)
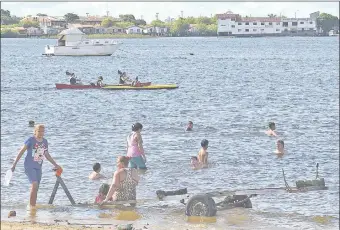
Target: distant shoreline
(129,36)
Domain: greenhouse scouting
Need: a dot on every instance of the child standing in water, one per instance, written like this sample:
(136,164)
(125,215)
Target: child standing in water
(36,148)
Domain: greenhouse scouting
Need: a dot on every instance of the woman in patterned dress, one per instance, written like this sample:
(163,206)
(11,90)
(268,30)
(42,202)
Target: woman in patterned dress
(124,182)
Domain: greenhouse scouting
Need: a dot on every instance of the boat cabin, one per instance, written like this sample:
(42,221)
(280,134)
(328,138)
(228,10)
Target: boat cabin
(75,37)
(70,37)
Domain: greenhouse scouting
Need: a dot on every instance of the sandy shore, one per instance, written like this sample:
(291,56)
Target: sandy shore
(29,226)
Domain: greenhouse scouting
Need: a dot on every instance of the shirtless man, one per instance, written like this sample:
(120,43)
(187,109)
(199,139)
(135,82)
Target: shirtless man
(271,130)
(203,154)
(280,147)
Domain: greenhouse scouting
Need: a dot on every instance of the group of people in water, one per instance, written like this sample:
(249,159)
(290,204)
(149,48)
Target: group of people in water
(123,80)
(125,178)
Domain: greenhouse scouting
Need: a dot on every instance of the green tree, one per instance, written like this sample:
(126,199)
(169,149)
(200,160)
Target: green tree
(327,22)
(28,23)
(140,22)
(107,22)
(157,23)
(124,24)
(179,27)
(7,18)
(212,29)
(127,17)
(190,20)
(204,20)
(71,17)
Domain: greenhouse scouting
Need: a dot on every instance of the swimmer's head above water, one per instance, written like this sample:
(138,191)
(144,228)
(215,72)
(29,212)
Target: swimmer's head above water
(190,126)
(204,143)
(272,126)
(280,146)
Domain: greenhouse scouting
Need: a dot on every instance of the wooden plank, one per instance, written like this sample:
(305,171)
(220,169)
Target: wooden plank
(54,192)
(68,194)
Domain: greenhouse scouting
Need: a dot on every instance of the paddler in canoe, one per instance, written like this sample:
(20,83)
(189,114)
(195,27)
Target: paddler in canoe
(123,79)
(100,81)
(73,79)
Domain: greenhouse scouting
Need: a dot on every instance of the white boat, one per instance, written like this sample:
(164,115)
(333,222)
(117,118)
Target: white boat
(73,42)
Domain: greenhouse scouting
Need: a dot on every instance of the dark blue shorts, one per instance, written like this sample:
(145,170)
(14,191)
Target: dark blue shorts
(34,175)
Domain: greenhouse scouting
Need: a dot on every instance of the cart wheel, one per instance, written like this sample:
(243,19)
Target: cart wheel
(200,205)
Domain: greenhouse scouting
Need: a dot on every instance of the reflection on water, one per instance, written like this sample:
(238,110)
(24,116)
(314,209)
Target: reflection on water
(230,89)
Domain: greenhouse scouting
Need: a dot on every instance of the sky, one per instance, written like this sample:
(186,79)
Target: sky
(148,10)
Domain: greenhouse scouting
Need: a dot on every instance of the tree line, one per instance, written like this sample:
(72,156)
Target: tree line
(200,26)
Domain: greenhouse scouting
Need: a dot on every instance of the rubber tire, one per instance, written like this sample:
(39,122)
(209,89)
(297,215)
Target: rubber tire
(208,202)
(248,204)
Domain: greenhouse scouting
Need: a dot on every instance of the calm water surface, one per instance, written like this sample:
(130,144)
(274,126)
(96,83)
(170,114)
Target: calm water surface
(229,88)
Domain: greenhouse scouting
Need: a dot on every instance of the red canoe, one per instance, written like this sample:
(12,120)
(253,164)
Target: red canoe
(68,86)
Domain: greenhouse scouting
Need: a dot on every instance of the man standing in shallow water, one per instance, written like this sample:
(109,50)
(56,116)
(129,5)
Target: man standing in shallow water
(37,150)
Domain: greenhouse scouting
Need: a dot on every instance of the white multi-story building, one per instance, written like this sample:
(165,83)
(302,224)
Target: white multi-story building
(230,24)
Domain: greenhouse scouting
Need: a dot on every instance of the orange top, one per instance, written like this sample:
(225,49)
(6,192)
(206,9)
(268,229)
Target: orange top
(59,171)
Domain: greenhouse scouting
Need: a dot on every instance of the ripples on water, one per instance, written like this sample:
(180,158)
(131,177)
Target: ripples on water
(229,88)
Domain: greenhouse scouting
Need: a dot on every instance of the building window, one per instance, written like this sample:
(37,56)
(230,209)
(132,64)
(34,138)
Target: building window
(239,30)
(302,22)
(310,22)
(106,42)
(277,29)
(278,23)
(240,23)
(311,29)
(262,23)
(232,26)
(262,29)
(247,30)
(86,42)
(247,24)
(222,25)
(138,30)
(294,23)
(270,23)
(254,23)
(254,29)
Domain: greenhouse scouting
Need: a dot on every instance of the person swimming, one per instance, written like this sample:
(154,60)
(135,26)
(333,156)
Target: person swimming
(280,147)
(190,126)
(95,175)
(271,130)
(103,191)
(195,164)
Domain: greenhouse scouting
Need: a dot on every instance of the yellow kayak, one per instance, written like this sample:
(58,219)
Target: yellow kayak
(150,87)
